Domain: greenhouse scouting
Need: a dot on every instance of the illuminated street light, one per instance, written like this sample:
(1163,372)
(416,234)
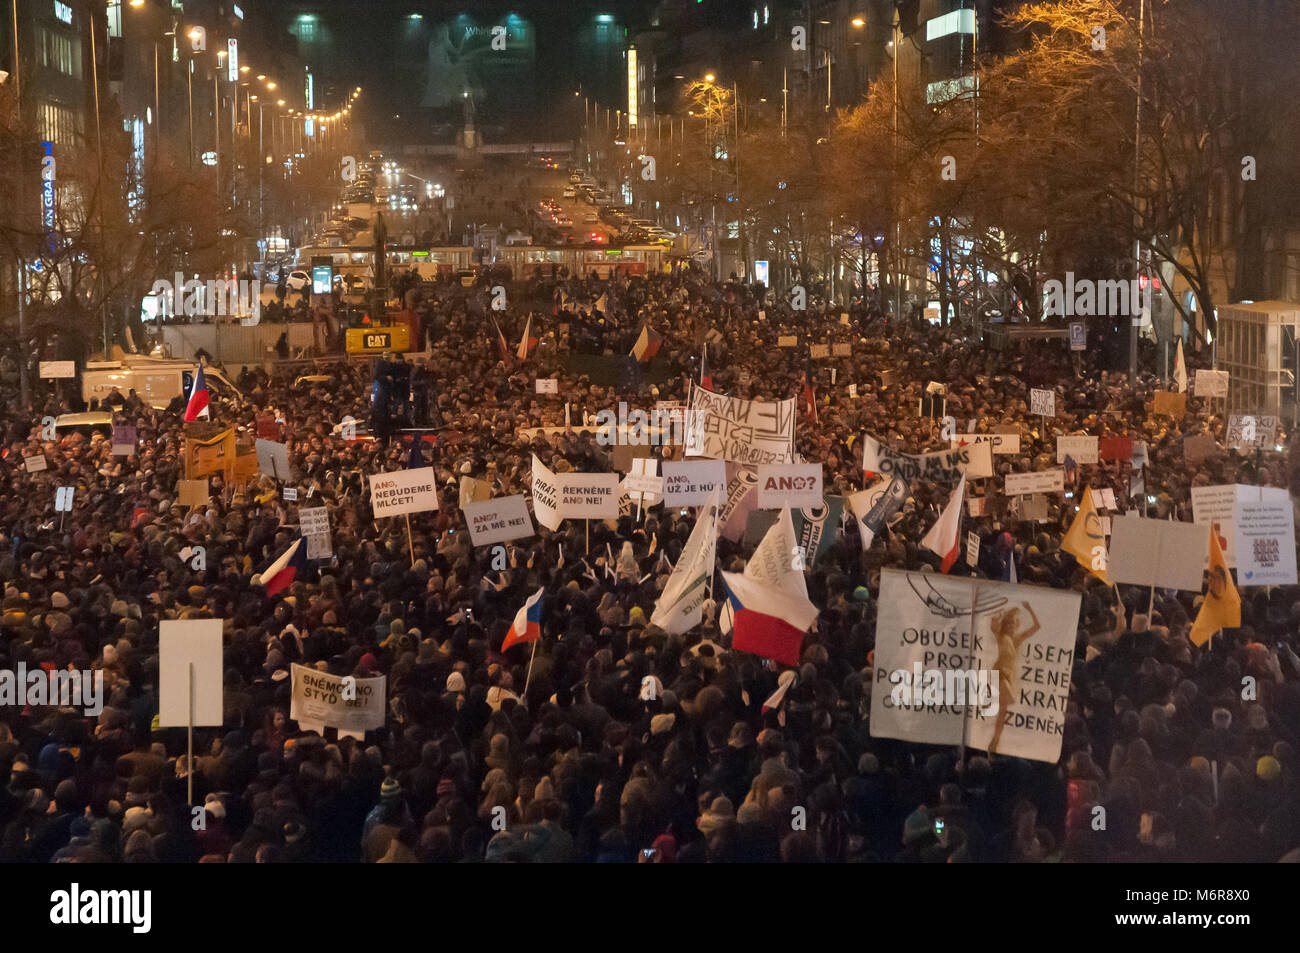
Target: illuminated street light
(858,22)
(709,77)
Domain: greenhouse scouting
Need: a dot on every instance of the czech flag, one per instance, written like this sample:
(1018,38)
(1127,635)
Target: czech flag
(808,395)
(648,344)
(943,539)
(281,573)
(527,626)
(767,621)
(502,346)
(198,398)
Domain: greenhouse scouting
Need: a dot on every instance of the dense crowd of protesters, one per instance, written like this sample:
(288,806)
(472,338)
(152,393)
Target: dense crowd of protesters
(471,767)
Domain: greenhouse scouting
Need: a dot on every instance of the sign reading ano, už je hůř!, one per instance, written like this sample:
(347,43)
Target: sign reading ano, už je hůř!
(403,491)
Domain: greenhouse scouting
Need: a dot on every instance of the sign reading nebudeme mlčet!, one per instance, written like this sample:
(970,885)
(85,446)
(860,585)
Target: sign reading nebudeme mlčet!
(403,491)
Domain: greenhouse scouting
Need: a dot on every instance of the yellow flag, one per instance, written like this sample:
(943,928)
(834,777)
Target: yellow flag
(1086,541)
(1222,606)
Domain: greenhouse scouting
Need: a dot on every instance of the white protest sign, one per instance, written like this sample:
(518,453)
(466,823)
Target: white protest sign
(692,482)
(35,463)
(548,385)
(403,491)
(790,484)
(1002,443)
(546,495)
(1104,499)
(1251,432)
(853,391)
(1218,504)
(937,465)
(981,460)
(499,520)
(291,493)
(1042,402)
(819,350)
(745,431)
(642,479)
(1046,481)
(314,524)
(352,705)
(972,549)
(1164,553)
(1211,383)
(788,340)
(936,681)
(1082,448)
(52,370)
(587,496)
(842,350)
(63,499)
(273,459)
(1265,542)
(181,644)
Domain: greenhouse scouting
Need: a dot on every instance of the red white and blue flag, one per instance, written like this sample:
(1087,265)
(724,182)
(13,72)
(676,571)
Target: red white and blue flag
(768,621)
(648,344)
(198,398)
(527,342)
(527,626)
(281,573)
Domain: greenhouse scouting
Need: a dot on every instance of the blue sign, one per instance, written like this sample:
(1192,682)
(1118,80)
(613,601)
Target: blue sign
(47,193)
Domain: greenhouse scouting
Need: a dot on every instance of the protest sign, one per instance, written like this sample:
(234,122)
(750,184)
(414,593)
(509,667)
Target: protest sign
(546,495)
(182,643)
(976,506)
(124,441)
(1083,449)
(1042,402)
(53,370)
(625,453)
(937,465)
(1169,403)
(499,520)
(930,659)
(291,493)
(1002,443)
(1046,481)
(815,527)
(548,385)
(692,482)
(314,524)
(63,498)
(1218,504)
(742,499)
(319,700)
(877,506)
(1265,541)
(474,491)
(1164,553)
(788,340)
(591,496)
(1199,447)
(1104,499)
(932,405)
(273,459)
(1251,432)
(853,391)
(35,463)
(643,482)
(842,350)
(789,484)
(403,491)
(1114,448)
(819,350)
(267,427)
(980,464)
(192,492)
(1033,508)
(744,431)
(972,549)
(1211,383)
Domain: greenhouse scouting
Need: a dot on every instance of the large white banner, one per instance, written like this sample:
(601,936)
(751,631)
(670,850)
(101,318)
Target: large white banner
(965,660)
(403,491)
(789,484)
(319,700)
(691,482)
(938,465)
(499,520)
(746,431)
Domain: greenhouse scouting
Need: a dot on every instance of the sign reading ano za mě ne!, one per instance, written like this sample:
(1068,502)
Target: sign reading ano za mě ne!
(403,491)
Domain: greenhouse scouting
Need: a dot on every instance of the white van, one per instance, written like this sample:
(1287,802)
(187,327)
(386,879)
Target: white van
(156,381)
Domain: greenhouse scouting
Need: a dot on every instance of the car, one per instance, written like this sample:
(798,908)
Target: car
(310,379)
(87,423)
(297,281)
(591,218)
(570,193)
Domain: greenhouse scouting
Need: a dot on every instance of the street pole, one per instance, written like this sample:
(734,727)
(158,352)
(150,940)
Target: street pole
(24,388)
(216,130)
(99,152)
(898,225)
(189,92)
(1137,173)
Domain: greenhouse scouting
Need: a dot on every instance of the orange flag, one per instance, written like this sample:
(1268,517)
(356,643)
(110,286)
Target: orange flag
(1222,606)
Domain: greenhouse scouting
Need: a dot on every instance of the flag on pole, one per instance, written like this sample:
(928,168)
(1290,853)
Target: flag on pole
(281,573)
(1180,369)
(808,395)
(602,303)
(1086,542)
(527,342)
(648,344)
(198,397)
(768,622)
(1010,574)
(706,378)
(944,538)
(527,626)
(502,346)
(1222,606)
(681,606)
